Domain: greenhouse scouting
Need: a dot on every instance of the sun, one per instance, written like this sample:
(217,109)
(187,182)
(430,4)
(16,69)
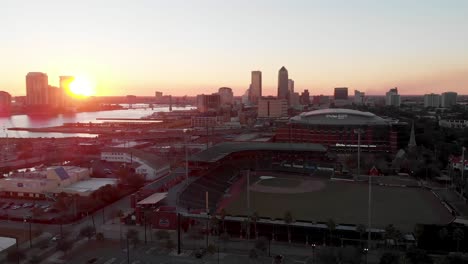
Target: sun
(81,86)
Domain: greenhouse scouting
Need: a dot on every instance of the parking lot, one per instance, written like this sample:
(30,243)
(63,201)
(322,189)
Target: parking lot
(23,208)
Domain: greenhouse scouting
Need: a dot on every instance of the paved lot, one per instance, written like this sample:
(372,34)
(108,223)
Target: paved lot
(346,203)
(21,212)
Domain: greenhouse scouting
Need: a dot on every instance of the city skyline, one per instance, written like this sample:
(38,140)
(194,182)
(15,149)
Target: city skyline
(182,47)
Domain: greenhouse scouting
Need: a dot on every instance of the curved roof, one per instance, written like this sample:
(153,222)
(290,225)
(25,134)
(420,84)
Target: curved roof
(338,116)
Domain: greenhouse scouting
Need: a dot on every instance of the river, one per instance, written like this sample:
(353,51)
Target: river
(58,120)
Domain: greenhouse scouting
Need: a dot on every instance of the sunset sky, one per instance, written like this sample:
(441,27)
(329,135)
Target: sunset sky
(196,46)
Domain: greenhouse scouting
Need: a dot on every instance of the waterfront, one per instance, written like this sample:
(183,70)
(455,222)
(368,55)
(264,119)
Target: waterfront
(58,120)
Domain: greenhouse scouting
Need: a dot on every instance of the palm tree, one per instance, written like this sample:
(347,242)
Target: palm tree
(361,229)
(458,235)
(288,219)
(254,218)
(331,227)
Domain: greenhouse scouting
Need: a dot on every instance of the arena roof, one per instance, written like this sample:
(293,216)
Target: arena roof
(222,150)
(338,116)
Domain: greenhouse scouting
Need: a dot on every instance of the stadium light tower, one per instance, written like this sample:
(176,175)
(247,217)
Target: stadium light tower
(359,131)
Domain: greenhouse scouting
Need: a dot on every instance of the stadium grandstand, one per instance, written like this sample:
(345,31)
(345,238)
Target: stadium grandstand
(221,165)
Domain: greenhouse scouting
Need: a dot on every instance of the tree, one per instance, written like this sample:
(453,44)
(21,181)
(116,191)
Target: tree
(64,245)
(214,225)
(389,258)
(100,236)
(133,236)
(391,233)
(443,234)
(14,255)
(418,232)
(87,231)
(458,235)
(361,229)
(418,256)
(331,225)
(288,219)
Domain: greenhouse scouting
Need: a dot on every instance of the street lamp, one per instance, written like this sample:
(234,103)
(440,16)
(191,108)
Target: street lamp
(186,152)
(313,252)
(366,251)
(369,201)
(30,233)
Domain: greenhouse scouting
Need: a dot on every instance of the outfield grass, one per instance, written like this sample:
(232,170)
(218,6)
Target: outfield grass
(346,203)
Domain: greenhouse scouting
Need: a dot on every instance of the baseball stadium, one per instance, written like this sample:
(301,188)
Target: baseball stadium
(273,178)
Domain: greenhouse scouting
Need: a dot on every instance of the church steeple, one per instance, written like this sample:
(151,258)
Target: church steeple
(412,140)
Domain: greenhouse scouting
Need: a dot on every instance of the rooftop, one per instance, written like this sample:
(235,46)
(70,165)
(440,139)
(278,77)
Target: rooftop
(222,150)
(338,116)
(148,158)
(87,186)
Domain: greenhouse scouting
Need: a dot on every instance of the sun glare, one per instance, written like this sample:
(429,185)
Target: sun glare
(81,87)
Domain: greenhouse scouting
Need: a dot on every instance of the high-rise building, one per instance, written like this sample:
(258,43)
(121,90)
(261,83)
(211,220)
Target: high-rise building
(359,97)
(294,99)
(208,102)
(431,100)
(341,93)
(448,99)
(305,97)
(291,85)
(392,98)
(255,87)
(65,92)
(226,95)
(158,94)
(271,107)
(283,83)
(55,96)
(5,102)
(37,88)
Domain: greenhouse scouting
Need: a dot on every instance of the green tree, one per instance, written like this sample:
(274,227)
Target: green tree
(458,235)
(331,225)
(100,236)
(87,231)
(418,256)
(288,219)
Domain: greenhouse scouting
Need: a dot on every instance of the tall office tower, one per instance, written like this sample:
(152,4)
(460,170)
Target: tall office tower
(341,93)
(283,83)
(392,98)
(64,97)
(208,102)
(305,98)
(37,88)
(158,94)
(226,95)
(291,85)
(271,107)
(358,97)
(255,87)
(5,102)
(431,100)
(448,99)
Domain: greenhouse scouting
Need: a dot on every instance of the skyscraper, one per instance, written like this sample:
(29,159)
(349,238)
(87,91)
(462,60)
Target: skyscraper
(448,99)
(255,87)
(37,88)
(283,83)
(291,86)
(341,93)
(226,95)
(359,97)
(392,98)
(432,100)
